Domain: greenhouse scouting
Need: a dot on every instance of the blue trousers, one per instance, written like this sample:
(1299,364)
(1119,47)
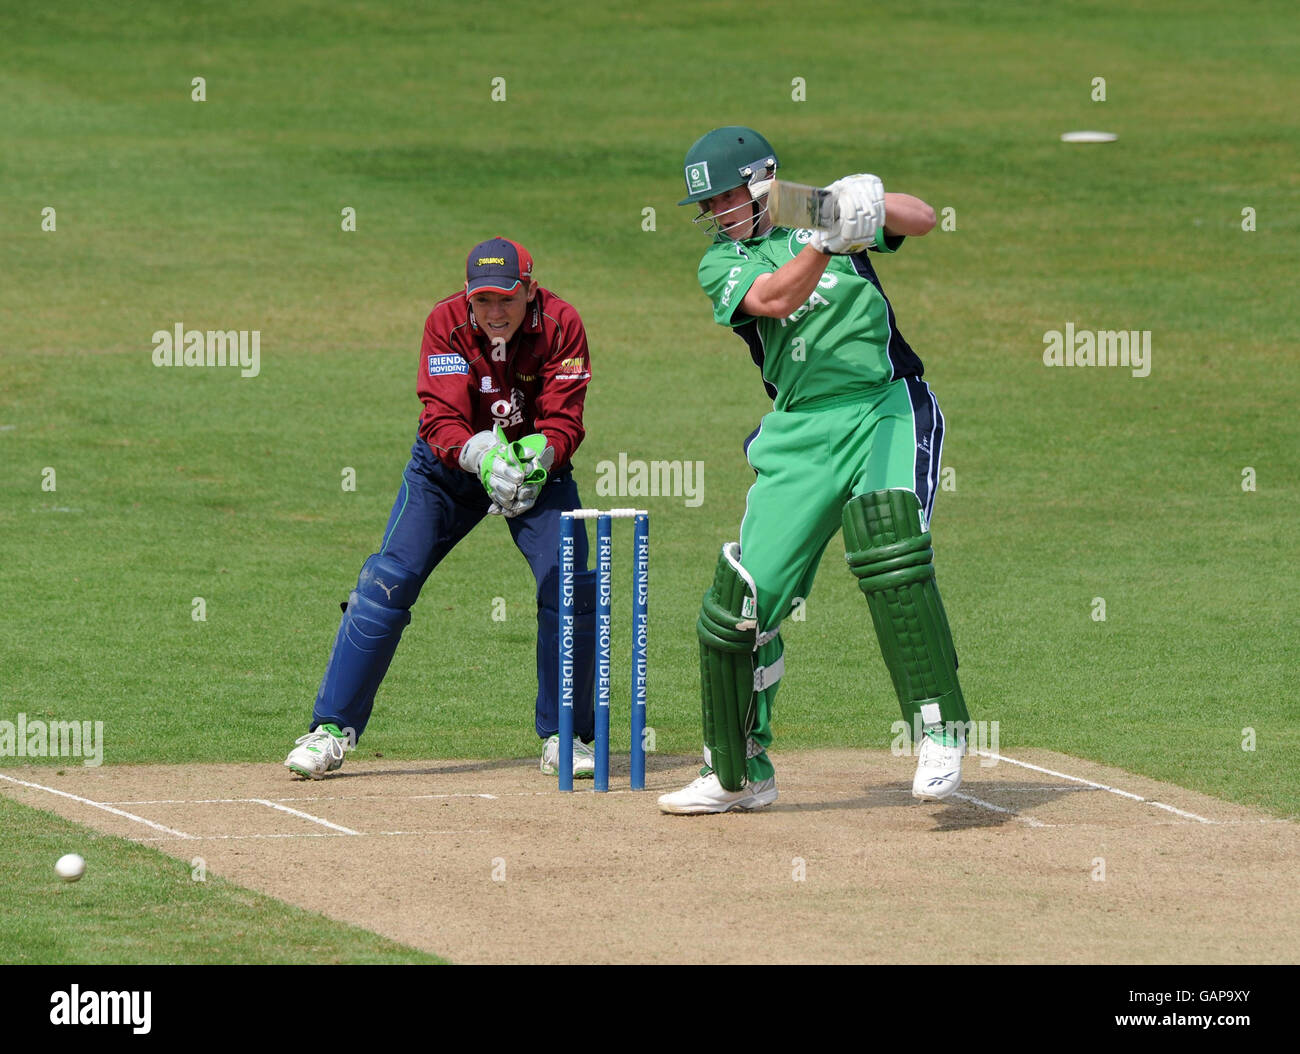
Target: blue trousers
(435,508)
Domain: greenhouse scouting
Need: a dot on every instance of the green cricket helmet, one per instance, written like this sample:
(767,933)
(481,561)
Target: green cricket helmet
(726,158)
(722,160)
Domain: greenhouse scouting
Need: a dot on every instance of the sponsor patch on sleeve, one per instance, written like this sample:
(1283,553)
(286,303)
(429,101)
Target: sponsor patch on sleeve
(442,365)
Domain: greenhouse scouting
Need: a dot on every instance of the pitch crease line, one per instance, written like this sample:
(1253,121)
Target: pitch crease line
(99,805)
(319,797)
(304,815)
(1094,783)
(307,834)
(998,808)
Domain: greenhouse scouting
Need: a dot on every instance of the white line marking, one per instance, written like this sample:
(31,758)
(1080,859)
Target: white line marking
(1179,812)
(319,797)
(465,830)
(303,834)
(304,815)
(416,797)
(998,808)
(1099,786)
(1018,786)
(98,805)
(1225,823)
(1055,787)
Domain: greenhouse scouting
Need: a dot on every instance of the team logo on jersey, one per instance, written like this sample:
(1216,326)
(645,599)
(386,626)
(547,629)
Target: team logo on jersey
(803,237)
(507,412)
(697,177)
(574,369)
(725,299)
(442,365)
(486,386)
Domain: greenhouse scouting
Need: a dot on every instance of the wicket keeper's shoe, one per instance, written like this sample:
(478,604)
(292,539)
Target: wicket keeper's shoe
(317,753)
(707,794)
(584,758)
(938,768)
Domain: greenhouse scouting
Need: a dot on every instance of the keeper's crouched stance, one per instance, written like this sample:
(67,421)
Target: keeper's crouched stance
(503,373)
(853,443)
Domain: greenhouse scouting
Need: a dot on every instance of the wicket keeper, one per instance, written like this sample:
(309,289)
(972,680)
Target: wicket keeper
(852,442)
(503,376)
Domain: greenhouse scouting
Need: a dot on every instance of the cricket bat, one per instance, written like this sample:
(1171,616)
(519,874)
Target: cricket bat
(799,205)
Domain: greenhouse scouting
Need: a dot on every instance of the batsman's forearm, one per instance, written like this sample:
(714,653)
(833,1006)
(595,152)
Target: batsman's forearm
(785,290)
(907,215)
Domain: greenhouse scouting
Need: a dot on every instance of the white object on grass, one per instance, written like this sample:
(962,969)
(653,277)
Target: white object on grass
(70,867)
(1088,137)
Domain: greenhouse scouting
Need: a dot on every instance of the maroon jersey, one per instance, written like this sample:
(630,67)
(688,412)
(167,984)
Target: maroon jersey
(536,383)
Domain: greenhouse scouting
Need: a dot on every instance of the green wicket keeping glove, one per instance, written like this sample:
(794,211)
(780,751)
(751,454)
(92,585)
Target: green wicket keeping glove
(535,457)
(488,455)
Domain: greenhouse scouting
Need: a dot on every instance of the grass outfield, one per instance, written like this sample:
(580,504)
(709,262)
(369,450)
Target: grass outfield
(1070,484)
(137,905)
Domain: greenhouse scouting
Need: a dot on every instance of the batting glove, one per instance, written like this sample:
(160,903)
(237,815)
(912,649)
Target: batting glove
(860,212)
(870,193)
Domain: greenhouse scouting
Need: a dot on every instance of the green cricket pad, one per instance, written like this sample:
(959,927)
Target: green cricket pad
(888,550)
(727,697)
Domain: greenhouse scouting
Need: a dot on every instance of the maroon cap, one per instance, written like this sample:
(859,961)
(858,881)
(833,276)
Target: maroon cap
(497,265)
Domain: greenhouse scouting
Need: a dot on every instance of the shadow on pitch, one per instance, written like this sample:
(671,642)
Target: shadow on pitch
(956,814)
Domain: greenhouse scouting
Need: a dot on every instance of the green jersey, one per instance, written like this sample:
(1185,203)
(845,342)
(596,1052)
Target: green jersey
(842,341)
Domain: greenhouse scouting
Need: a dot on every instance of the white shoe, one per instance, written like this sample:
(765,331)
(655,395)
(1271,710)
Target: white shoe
(938,768)
(316,753)
(707,794)
(584,758)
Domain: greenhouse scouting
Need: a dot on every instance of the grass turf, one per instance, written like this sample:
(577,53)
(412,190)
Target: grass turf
(137,905)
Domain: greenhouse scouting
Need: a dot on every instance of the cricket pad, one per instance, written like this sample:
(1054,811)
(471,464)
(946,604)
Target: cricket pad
(890,554)
(727,694)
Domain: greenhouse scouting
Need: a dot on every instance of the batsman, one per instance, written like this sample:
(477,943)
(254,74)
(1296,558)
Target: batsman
(852,442)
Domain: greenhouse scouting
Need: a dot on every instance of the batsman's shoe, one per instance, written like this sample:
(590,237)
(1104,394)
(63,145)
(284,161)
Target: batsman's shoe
(584,758)
(317,753)
(707,794)
(938,768)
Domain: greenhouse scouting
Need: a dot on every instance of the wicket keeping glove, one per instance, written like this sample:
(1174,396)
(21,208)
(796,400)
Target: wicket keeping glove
(534,456)
(488,455)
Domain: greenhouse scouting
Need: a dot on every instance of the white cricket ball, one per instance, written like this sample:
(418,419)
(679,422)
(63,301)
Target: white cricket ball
(70,867)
